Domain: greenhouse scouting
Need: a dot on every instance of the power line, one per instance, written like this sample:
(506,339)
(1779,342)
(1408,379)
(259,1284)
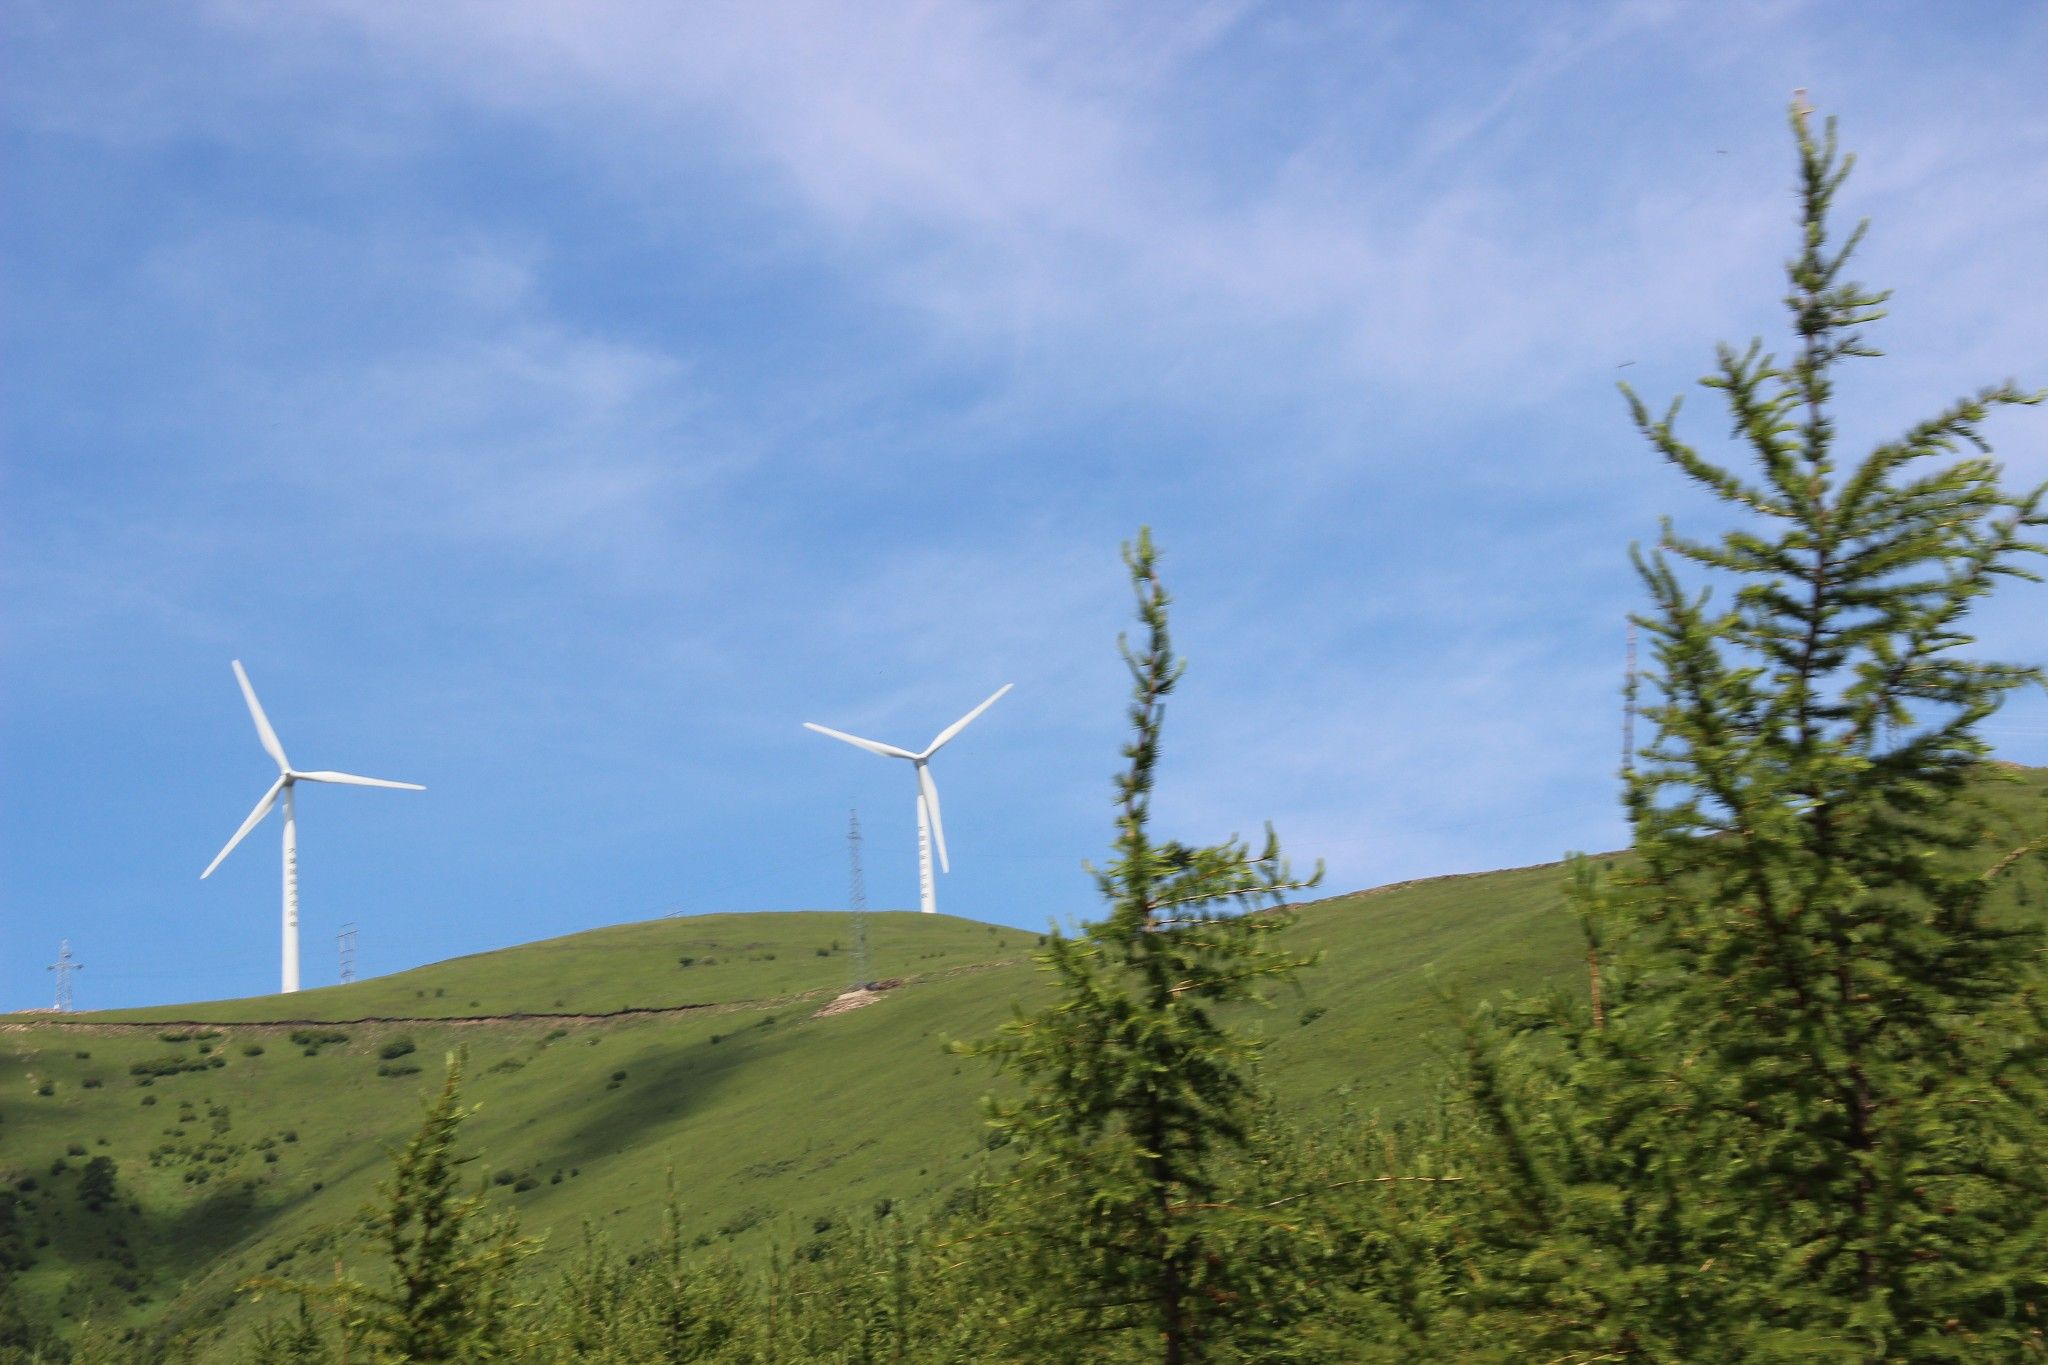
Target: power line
(64,966)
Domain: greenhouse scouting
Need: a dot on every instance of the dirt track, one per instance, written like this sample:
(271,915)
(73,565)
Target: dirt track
(20,1023)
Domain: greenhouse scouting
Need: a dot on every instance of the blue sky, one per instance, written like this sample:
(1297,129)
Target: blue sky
(558,404)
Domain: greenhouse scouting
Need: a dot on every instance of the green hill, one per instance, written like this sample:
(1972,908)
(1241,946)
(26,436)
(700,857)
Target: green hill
(244,1133)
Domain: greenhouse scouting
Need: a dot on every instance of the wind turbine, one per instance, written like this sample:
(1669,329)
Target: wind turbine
(287,777)
(929,828)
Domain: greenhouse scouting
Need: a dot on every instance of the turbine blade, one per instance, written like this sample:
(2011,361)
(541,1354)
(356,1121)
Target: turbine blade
(263,730)
(351,780)
(931,804)
(961,724)
(255,816)
(873,746)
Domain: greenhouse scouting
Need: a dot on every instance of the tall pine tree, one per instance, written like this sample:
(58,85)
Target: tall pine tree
(1809,1121)
(1136,1094)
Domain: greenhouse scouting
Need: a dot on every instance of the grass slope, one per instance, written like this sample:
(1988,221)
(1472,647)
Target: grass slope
(665,963)
(243,1146)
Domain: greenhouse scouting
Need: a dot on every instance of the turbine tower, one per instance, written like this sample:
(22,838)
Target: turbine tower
(929,828)
(287,777)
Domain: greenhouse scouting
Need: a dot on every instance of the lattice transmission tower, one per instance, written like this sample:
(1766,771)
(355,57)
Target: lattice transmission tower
(345,944)
(858,899)
(64,966)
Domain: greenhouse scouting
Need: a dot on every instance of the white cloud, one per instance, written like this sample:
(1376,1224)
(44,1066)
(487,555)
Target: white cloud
(1013,171)
(1085,188)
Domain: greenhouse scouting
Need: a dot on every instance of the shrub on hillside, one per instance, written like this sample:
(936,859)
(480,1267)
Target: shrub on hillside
(317,1037)
(96,1183)
(170,1064)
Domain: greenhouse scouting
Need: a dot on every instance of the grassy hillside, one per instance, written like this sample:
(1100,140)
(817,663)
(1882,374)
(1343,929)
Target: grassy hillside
(238,1143)
(665,963)
(243,1136)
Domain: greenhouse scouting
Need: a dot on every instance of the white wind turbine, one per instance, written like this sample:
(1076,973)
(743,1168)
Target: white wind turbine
(929,827)
(287,776)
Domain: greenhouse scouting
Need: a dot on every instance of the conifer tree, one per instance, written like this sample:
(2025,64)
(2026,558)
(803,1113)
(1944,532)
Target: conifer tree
(450,1267)
(446,1294)
(661,1307)
(1808,1121)
(298,1341)
(1135,1091)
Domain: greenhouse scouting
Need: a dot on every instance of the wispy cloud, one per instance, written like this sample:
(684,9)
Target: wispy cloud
(1012,173)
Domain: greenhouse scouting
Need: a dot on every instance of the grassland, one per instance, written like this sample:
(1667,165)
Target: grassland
(245,1134)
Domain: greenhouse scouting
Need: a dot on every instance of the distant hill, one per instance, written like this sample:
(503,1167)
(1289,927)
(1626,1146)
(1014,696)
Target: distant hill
(244,1133)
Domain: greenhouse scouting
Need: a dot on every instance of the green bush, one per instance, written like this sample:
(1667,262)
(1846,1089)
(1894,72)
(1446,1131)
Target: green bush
(316,1037)
(96,1183)
(170,1064)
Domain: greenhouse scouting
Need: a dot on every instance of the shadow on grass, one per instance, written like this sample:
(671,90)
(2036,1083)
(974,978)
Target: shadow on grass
(668,1088)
